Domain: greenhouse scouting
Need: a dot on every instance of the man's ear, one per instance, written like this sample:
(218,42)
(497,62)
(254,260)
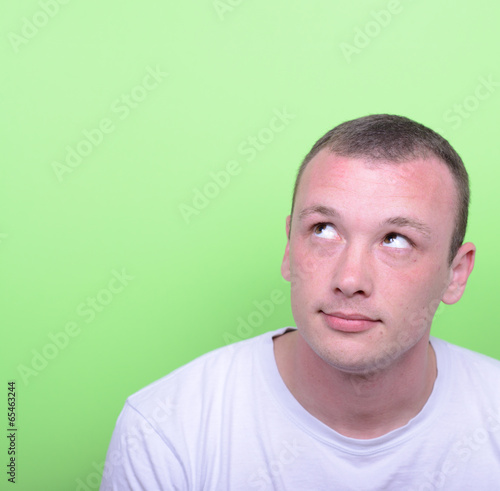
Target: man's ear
(460,269)
(285,264)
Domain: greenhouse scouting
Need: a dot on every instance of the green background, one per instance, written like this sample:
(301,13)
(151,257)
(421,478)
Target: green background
(230,65)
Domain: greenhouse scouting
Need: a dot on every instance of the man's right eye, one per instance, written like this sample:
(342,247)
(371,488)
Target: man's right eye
(325,231)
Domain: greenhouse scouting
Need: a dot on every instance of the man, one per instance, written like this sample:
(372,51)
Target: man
(358,396)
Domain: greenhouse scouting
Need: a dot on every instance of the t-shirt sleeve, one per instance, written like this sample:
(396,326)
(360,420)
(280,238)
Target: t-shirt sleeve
(139,459)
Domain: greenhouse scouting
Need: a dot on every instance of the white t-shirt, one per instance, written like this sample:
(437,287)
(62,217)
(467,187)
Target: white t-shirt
(226,422)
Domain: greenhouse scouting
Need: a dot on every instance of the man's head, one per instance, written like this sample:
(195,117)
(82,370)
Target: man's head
(396,139)
(368,251)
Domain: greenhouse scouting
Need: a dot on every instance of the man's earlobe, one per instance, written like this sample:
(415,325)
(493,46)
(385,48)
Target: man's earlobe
(285,264)
(460,270)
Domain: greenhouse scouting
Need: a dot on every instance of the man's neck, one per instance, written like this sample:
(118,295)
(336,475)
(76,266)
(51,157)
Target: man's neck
(357,406)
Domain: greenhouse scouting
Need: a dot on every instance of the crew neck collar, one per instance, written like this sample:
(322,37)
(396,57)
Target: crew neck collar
(300,417)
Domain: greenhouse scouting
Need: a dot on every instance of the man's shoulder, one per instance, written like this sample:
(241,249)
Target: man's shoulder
(465,354)
(202,377)
(469,367)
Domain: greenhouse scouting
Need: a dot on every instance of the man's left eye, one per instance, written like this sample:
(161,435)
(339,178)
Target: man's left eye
(397,241)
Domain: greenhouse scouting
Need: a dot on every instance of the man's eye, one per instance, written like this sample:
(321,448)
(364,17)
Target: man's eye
(325,231)
(397,241)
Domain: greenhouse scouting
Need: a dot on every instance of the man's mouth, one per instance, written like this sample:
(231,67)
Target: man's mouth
(348,321)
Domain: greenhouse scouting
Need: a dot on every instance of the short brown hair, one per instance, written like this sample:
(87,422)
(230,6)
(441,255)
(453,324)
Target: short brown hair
(396,139)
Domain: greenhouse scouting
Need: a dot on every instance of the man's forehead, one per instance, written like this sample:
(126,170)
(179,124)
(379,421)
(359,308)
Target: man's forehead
(329,169)
(412,191)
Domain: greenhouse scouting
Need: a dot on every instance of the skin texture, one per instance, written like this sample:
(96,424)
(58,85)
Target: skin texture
(367,258)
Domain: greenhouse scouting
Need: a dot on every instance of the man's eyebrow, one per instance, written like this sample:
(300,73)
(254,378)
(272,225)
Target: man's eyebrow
(318,209)
(409,222)
(398,221)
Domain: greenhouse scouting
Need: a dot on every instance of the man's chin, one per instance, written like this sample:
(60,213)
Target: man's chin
(359,360)
(364,367)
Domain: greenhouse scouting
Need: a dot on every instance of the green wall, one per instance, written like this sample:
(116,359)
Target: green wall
(119,118)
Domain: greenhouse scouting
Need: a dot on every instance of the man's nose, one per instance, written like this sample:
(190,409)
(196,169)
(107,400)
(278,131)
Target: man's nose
(352,273)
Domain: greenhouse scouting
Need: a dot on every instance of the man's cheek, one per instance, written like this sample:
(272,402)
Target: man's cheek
(308,263)
(307,274)
(304,268)
(422,317)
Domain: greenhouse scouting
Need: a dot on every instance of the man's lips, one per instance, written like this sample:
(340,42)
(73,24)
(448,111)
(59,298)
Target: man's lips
(348,321)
